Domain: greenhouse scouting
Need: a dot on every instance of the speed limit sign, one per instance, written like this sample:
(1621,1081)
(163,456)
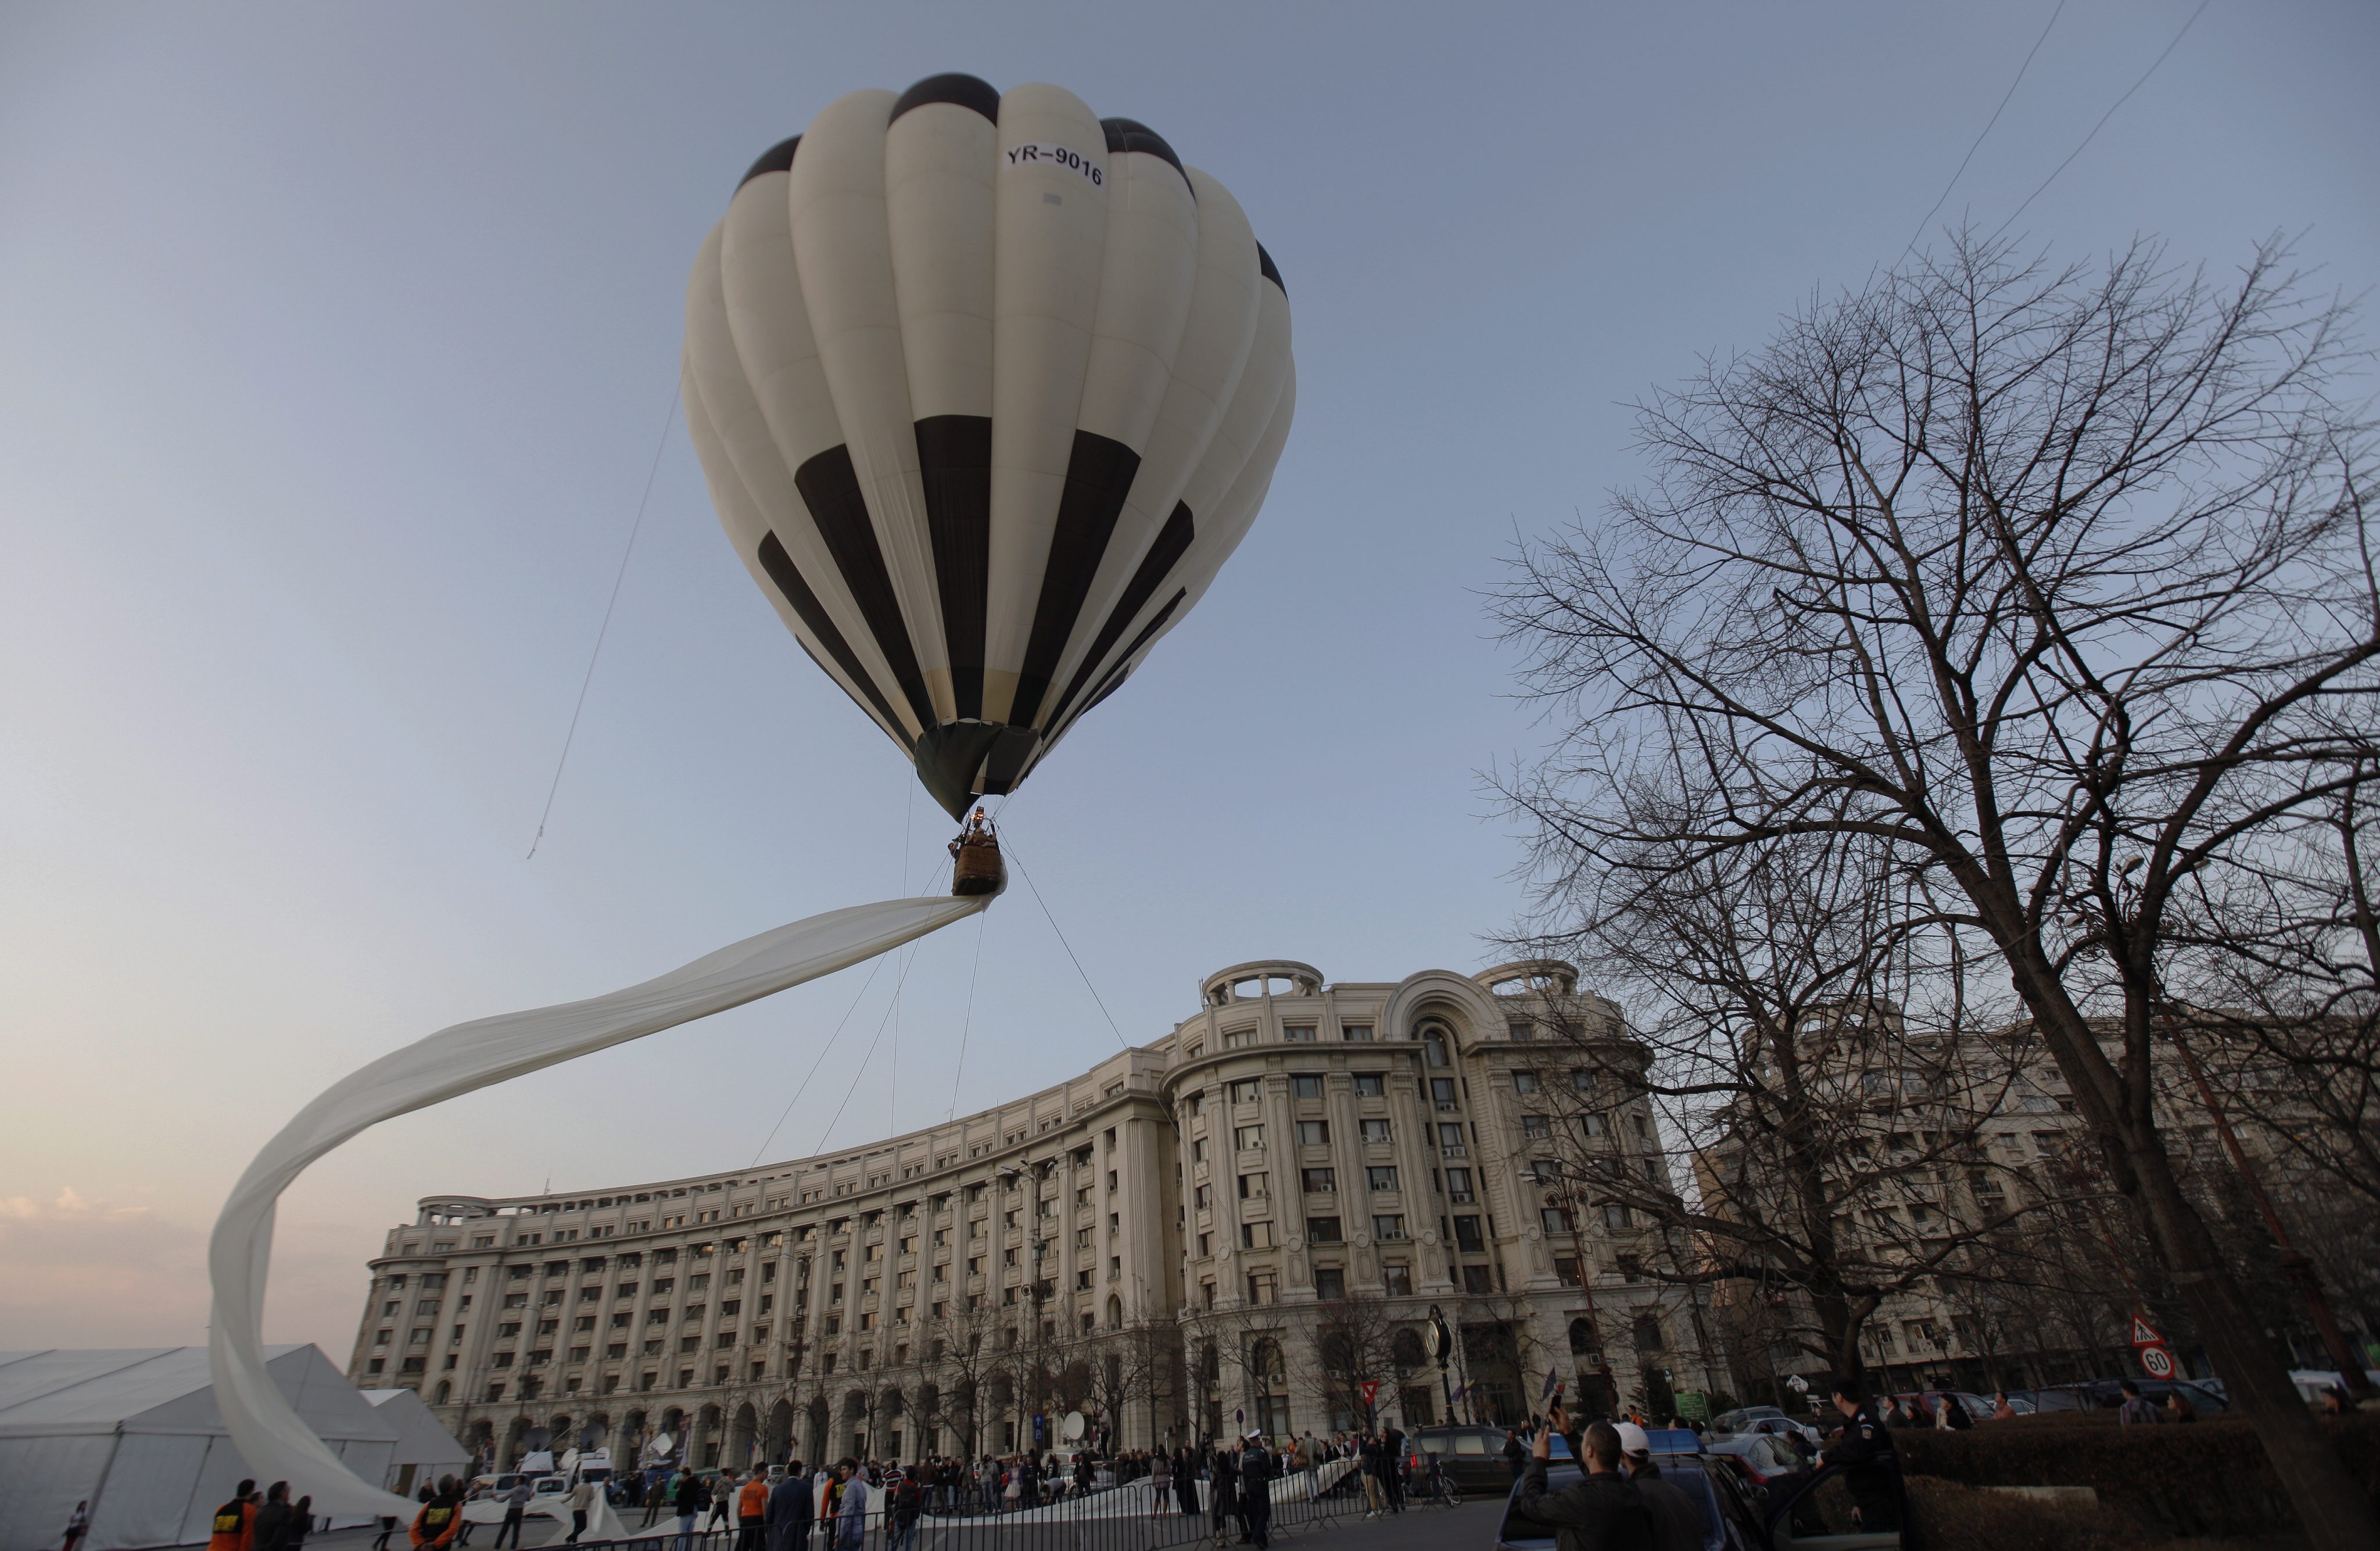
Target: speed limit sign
(2156,1362)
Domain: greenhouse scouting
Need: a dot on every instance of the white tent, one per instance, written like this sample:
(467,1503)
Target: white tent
(424,1449)
(138,1434)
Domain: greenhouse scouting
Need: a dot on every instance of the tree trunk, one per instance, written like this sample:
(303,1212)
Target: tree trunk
(2331,1508)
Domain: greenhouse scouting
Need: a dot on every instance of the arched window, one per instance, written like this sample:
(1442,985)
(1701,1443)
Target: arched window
(1435,1043)
(1115,1312)
(1582,1336)
(1406,1352)
(1649,1333)
(444,1388)
(1270,1374)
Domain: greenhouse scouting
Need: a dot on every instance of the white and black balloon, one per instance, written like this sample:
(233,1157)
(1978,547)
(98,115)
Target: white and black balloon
(986,390)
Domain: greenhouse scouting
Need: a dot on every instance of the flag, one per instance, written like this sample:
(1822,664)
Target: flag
(1553,1389)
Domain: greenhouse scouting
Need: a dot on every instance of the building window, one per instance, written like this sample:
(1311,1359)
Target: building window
(1388,1227)
(1521,1029)
(1297,1033)
(1256,1187)
(1246,1090)
(1537,1128)
(1525,1082)
(1375,1130)
(1305,1084)
(1322,1230)
(1433,1048)
(1380,1176)
(1371,1084)
(1450,1139)
(1359,1032)
(1256,1235)
(1396,1279)
(1314,1133)
(1250,1138)
(1467,1236)
(1615,1216)
(1203,1197)
(1329,1283)
(1458,1187)
(1264,1287)
(1476,1278)
(377,1365)
(1318,1182)
(1566,1268)
(1554,1220)
(1239,1040)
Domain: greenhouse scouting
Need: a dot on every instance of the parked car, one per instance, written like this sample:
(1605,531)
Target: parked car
(1471,1456)
(1760,1419)
(1731,1521)
(2107,1394)
(1760,1457)
(1919,1403)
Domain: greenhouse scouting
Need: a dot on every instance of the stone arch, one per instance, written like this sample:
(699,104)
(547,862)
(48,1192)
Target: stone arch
(815,1418)
(777,1440)
(1269,1378)
(1115,1312)
(1457,1000)
(445,1389)
(594,1430)
(1581,1337)
(627,1451)
(741,1433)
(704,1453)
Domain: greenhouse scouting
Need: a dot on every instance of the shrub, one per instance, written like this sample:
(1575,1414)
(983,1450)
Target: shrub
(2205,1478)
(1948,1515)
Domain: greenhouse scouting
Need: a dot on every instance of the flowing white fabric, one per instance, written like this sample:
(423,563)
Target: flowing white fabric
(276,1441)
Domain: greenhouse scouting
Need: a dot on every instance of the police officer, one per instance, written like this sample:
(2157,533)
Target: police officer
(1870,1466)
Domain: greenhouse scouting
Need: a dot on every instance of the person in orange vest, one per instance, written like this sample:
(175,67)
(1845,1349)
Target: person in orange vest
(439,1518)
(235,1522)
(752,1513)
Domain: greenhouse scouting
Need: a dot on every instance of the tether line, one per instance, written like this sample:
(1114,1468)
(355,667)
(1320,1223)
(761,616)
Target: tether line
(1011,852)
(873,971)
(1995,118)
(604,629)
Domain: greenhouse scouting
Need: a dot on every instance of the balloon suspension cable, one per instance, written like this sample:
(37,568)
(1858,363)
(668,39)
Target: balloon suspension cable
(604,629)
(958,1071)
(892,1099)
(874,969)
(882,1024)
(1010,848)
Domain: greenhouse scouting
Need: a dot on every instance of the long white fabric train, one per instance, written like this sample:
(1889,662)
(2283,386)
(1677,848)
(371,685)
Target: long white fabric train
(276,1443)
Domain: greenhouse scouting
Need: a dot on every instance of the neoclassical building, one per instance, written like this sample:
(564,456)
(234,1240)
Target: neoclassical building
(1249,1222)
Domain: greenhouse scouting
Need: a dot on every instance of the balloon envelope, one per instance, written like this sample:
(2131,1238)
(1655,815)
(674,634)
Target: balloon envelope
(985,389)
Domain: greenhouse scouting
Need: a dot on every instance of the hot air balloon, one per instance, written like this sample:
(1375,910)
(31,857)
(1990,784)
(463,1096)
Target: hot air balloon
(987,388)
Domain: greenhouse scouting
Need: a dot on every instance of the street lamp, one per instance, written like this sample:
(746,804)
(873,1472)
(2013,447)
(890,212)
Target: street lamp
(1441,1344)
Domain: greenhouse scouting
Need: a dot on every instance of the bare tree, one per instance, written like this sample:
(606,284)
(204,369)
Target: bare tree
(1816,1049)
(2055,580)
(1353,1344)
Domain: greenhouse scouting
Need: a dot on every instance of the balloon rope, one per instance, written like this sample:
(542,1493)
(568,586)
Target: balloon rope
(1009,849)
(958,1072)
(872,971)
(604,629)
(1978,142)
(881,1026)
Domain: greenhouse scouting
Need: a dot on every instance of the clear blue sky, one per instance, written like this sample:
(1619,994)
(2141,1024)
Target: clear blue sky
(334,342)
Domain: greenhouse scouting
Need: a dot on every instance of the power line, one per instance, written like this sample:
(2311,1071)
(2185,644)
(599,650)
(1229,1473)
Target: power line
(2005,97)
(592,658)
(2108,115)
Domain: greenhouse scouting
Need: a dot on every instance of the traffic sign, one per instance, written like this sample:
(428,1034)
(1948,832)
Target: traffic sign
(1371,1390)
(2145,1334)
(2156,1362)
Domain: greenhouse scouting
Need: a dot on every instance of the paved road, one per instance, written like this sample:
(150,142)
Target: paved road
(1471,1527)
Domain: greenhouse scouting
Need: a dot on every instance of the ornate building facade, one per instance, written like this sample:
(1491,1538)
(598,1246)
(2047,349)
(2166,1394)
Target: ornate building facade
(1254,1221)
